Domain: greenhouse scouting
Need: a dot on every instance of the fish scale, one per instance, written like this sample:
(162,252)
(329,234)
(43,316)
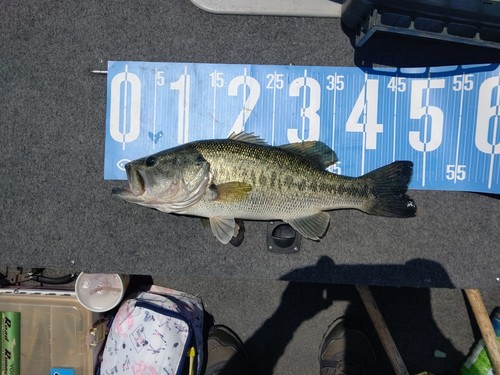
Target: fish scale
(243,177)
(286,188)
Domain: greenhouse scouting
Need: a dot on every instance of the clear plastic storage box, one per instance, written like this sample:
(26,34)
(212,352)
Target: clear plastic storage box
(56,331)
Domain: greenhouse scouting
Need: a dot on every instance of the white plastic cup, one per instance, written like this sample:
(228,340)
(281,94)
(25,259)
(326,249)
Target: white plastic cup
(100,292)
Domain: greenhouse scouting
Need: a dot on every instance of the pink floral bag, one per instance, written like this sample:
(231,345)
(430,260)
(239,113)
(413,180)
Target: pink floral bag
(156,332)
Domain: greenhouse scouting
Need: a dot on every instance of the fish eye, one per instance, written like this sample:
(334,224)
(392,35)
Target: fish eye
(150,161)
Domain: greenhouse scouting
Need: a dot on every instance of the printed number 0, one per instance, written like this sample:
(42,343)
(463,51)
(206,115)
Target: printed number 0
(130,115)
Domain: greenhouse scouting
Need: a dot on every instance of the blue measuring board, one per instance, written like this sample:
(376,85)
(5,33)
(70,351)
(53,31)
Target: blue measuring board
(444,119)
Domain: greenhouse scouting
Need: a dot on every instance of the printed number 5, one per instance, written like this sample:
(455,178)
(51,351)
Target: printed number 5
(427,112)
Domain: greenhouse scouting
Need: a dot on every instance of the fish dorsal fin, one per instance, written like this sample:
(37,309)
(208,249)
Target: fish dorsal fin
(248,138)
(315,151)
(312,227)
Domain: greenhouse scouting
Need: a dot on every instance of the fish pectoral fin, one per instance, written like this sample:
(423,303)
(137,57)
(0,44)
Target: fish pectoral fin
(224,228)
(232,191)
(312,227)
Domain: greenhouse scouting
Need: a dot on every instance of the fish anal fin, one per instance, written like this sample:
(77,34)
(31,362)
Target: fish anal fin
(224,228)
(232,191)
(312,227)
(316,152)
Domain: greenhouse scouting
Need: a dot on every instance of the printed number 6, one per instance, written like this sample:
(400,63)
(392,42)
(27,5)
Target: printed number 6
(485,113)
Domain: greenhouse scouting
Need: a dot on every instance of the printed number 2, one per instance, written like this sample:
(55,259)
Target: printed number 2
(249,101)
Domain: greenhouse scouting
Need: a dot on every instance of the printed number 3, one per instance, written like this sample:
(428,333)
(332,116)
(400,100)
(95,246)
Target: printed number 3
(309,110)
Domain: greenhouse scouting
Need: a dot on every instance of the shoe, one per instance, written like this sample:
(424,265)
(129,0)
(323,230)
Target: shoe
(226,354)
(346,350)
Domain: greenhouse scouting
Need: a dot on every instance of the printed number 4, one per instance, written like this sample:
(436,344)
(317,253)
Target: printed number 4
(366,107)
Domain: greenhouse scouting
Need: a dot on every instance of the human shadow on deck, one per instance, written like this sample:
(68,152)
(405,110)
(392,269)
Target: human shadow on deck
(407,312)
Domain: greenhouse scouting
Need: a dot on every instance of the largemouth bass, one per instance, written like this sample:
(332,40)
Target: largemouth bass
(242,177)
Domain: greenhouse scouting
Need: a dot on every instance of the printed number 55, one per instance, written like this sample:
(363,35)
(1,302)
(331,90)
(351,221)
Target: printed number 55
(455,172)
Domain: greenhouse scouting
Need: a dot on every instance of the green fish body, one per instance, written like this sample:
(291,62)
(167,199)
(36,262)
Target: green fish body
(242,177)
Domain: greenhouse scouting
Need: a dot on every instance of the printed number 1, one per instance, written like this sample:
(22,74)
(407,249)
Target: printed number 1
(183,85)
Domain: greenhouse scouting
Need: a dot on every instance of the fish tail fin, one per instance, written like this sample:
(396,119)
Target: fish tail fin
(388,189)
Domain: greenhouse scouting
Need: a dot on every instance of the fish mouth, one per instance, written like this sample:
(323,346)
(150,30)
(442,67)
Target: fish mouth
(136,184)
